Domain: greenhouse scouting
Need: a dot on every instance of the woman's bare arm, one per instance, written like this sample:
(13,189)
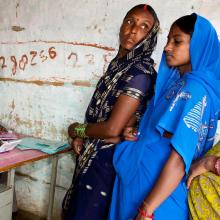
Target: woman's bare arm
(169,178)
(123,110)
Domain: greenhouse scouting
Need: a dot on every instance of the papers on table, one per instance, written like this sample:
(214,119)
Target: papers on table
(10,140)
(8,145)
(49,147)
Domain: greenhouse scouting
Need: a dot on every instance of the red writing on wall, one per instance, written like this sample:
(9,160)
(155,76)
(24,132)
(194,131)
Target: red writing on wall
(26,59)
(35,57)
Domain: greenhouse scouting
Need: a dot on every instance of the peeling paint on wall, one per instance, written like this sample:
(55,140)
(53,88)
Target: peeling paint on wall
(26,176)
(52,54)
(49,83)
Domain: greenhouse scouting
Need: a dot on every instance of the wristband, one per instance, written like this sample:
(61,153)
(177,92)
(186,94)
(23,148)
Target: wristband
(145,214)
(80,130)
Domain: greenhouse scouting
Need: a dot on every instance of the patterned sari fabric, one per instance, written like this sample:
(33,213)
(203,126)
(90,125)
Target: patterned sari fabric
(187,107)
(204,193)
(133,75)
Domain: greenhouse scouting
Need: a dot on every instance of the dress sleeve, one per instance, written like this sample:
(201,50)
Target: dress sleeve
(138,86)
(188,119)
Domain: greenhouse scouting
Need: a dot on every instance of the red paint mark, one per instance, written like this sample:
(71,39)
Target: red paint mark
(49,83)
(81,83)
(145,7)
(36,82)
(91,58)
(13,105)
(14,68)
(63,42)
(2,60)
(42,56)
(33,54)
(52,52)
(58,78)
(23,62)
(75,58)
(17,5)
(17,28)
(106,61)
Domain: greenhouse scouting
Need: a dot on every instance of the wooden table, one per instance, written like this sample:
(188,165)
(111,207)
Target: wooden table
(15,158)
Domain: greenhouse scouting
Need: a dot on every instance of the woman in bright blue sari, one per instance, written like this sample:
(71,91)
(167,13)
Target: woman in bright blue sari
(178,126)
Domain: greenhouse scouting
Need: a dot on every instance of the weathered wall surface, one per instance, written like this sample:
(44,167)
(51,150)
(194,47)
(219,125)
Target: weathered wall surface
(51,55)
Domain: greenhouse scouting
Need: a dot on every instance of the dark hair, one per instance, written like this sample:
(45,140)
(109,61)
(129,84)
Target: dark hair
(148,8)
(186,23)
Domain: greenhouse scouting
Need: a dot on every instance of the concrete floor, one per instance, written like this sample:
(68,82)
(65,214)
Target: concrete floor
(22,215)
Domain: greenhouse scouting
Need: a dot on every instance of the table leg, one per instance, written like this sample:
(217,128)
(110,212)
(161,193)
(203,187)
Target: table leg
(10,178)
(52,186)
(10,183)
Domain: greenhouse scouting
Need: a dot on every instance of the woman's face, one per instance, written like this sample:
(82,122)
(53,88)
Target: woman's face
(177,49)
(135,27)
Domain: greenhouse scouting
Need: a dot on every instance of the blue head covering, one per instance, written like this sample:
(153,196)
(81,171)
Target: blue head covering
(205,61)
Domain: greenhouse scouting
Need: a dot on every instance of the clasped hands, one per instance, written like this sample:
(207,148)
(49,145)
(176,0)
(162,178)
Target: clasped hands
(77,143)
(129,133)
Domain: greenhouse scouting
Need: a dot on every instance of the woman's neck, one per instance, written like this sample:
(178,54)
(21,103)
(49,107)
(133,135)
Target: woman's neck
(122,52)
(184,69)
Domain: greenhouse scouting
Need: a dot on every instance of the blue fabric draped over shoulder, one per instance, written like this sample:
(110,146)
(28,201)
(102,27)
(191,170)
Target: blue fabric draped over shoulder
(186,106)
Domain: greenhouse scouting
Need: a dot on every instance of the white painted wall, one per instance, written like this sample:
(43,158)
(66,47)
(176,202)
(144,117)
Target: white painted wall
(52,53)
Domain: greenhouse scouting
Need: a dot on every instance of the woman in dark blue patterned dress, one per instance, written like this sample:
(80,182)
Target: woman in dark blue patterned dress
(118,101)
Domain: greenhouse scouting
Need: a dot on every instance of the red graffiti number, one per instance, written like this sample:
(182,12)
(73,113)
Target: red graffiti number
(23,62)
(14,67)
(33,54)
(52,52)
(2,62)
(42,56)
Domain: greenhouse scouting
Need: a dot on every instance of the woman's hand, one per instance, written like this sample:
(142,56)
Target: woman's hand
(71,130)
(202,166)
(77,145)
(217,166)
(130,134)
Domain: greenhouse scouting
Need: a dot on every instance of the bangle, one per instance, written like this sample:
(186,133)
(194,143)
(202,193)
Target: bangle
(145,214)
(80,130)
